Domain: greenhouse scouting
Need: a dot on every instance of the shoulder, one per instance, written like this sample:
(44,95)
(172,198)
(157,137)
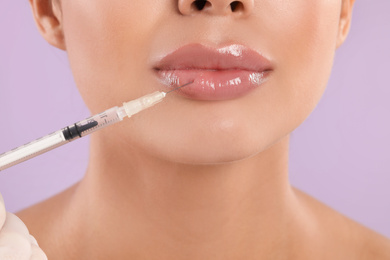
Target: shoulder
(348,238)
(46,219)
(44,213)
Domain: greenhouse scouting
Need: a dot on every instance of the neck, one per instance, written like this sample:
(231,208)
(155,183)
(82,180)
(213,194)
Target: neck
(184,211)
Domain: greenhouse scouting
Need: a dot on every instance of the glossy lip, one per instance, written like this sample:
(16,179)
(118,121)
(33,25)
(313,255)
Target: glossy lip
(217,74)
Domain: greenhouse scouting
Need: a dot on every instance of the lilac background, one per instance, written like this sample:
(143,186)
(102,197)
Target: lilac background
(340,155)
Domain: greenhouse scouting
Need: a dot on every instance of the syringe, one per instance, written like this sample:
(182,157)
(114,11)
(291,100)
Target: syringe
(80,129)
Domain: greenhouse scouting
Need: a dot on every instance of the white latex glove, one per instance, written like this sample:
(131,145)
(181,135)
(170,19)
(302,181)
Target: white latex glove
(15,241)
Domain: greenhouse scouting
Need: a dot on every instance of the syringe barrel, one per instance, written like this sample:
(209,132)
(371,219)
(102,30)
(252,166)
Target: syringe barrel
(77,130)
(32,149)
(61,137)
(92,124)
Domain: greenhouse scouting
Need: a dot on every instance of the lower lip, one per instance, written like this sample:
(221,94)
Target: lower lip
(213,84)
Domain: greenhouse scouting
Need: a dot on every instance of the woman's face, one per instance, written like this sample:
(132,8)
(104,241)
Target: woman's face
(114,46)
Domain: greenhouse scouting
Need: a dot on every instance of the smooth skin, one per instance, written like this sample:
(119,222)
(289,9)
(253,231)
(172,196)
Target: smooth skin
(192,179)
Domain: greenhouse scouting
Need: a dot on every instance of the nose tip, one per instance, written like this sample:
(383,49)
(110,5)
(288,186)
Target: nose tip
(216,7)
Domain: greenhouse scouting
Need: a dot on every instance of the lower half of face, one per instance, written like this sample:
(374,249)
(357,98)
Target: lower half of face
(118,49)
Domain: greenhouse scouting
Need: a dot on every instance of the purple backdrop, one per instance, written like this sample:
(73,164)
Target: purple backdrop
(340,155)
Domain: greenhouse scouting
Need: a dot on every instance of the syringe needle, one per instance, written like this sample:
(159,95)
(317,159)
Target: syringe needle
(180,87)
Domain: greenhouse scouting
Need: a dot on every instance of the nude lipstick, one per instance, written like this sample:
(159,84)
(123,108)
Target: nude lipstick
(217,74)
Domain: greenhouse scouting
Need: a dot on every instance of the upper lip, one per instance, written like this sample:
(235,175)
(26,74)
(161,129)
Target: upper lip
(200,57)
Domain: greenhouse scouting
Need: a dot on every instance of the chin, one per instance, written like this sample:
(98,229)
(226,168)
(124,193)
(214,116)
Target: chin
(217,158)
(209,151)
(209,134)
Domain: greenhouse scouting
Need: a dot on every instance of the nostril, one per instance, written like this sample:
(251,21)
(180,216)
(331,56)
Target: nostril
(200,4)
(236,6)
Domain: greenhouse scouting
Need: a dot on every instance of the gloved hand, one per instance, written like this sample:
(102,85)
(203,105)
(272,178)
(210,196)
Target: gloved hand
(15,241)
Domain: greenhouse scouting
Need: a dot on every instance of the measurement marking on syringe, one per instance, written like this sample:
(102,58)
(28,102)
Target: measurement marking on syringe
(102,124)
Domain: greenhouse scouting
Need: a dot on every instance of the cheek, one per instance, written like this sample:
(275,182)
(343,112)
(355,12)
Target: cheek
(305,34)
(107,42)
